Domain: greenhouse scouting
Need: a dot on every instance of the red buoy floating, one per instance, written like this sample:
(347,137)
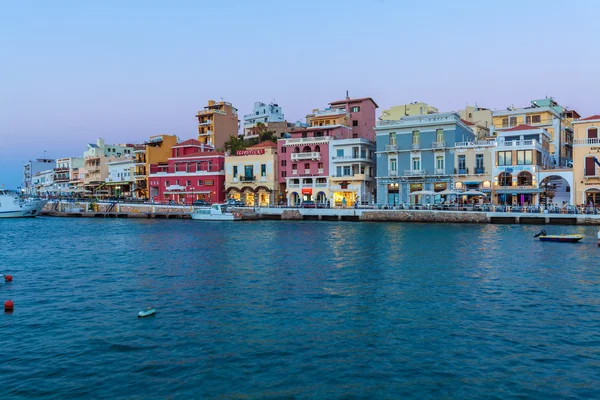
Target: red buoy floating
(7,278)
(9,305)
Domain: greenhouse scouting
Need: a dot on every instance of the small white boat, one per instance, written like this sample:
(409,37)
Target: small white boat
(14,206)
(150,311)
(216,212)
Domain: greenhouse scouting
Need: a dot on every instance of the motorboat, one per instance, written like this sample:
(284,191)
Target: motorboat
(544,237)
(14,206)
(216,212)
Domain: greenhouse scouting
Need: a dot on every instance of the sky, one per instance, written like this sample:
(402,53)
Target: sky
(72,71)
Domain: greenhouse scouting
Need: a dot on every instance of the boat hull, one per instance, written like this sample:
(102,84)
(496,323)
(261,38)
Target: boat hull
(217,217)
(28,209)
(561,238)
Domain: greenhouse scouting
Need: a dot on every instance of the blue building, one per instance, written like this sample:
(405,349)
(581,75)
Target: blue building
(415,157)
(270,115)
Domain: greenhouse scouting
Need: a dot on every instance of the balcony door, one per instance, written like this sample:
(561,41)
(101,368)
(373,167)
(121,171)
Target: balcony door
(248,172)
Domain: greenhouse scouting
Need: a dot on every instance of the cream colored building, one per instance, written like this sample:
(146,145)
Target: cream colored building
(405,110)
(473,166)
(586,153)
(251,175)
(479,119)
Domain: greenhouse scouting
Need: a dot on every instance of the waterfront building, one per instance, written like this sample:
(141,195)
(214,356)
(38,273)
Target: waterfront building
(268,117)
(216,123)
(64,171)
(304,157)
(547,114)
(523,173)
(195,171)
(76,183)
(352,166)
(43,183)
(251,175)
(96,158)
(30,169)
(395,113)
(120,180)
(156,150)
(473,166)
(586,152)
(415,157)
(479,119)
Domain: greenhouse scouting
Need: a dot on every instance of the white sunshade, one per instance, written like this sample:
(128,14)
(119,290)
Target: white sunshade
(474,193)
(423,193)
(448,192)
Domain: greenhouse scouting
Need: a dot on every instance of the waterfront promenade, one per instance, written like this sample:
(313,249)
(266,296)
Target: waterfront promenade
(489,214)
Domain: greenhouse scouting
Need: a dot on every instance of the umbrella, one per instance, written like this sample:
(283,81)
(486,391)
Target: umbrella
(422,193)
(448,192)
(473,193)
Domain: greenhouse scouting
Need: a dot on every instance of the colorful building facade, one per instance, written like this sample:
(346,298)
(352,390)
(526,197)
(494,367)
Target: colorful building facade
(195,171)
(251,175)
(415,157)
(216,123)
(352,172)
(586,153)
(268,115)
(96,159)
(65,169)
(31,168)
(395,113)
(156,150)
(120,181)
(474,163)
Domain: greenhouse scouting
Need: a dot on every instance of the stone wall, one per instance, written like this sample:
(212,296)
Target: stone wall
(291,215)
(424,216)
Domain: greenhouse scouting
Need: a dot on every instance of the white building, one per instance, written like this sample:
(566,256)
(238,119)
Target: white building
(43,183)
(263,113)
(352,169)
(66,169)
(30,169)
(120,181)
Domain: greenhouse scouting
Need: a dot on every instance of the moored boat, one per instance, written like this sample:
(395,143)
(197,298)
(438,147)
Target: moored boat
(216,212)
(14,206)
(544,237)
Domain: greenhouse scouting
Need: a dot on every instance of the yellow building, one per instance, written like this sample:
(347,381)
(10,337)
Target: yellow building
(405,110)
(546,114)
(328,116)
(251,175)
(478,119)
(216,123)
(156,150)
(474,162)
(586,153)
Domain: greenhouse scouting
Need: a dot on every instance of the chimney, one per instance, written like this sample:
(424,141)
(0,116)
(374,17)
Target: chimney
(347,97)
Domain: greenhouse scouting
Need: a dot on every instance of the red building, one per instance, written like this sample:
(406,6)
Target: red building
(195,171)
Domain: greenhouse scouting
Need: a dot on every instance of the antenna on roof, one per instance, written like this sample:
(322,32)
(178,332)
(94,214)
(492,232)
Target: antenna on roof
(347,95)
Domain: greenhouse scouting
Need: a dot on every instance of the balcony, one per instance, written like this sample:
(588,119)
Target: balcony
(480,171)
(351,177)
(391,147)
(415,172)
(330,112)
(247,178)
(207,122)
(521,143)
(307,140)
(355,157)
(307,171)
(438,145)
(415,146)
(294,172)
(306,156)
(440,171)
(392,173)
(61,169)
(208,133)
(461,171)
(477,143)
(586,141)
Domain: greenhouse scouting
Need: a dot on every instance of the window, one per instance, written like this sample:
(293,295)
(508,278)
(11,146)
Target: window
(505,122)
(439,135)
(347,170)
(235,171)
(263,170)
(338,171)
(199,182)
(304,134)
(513,121)
(177,182)
(533,119)
(340,152)
(592,133)
(354,122)
(393,165)
(416,163)
(524,157)
(415,137)
(505,158)
(320,165)
(294,166)
(355,109)
(439,162)
(283,174)
(392,138)
(462,163)
(590,166)
(188,183)
(166,183)
(479,169)
(283,163)
(306,165)
(283,150)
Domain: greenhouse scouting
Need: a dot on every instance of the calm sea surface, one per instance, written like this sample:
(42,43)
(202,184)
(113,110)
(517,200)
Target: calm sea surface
(297,310)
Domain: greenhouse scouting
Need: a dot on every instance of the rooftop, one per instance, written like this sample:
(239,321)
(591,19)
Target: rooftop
(348,100)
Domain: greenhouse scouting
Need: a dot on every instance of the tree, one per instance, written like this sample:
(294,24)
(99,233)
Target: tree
(235,143)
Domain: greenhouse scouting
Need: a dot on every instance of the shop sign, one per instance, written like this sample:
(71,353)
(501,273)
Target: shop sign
(416,186)
(440,186)
(307,191)
(250,152)
(515,168)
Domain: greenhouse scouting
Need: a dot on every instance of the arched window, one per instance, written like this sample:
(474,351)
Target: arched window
(306,149)
(296,149)
(317,148)
(505,179)
(524,179)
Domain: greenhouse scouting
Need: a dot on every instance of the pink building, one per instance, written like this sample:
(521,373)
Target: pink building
(195,171)
(305,157)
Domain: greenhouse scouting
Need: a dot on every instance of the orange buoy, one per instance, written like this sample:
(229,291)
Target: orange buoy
(9,305)
(7,278)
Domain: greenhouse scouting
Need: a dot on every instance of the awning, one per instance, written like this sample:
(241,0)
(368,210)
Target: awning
(448,192)
(117,183)
(519,191)
(423,193)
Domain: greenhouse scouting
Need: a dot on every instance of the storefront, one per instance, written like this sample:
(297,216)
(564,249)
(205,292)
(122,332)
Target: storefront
(345,198)
(393,194)
(306,194)
(518,196)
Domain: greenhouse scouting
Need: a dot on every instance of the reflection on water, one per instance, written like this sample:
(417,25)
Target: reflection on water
(297,309)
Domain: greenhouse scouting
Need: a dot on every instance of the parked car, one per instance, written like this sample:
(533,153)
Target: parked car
(308,204)
(201,203)
(235,203)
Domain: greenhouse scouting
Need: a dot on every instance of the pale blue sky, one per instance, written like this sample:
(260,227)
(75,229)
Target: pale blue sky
(124,70)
